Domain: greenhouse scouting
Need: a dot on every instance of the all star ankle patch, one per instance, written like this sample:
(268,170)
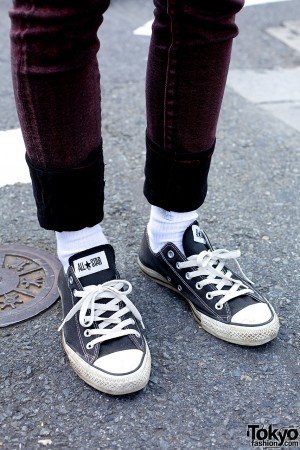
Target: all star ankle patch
(198,236)
(90,264)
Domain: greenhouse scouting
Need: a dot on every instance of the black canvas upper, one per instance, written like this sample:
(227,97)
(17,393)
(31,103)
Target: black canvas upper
(165,265)
(73,331)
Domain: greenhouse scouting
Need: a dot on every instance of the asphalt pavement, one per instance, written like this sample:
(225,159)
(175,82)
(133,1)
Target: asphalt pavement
(203,393)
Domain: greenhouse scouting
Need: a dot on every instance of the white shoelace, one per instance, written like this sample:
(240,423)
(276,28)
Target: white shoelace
(210,264)
(109,290)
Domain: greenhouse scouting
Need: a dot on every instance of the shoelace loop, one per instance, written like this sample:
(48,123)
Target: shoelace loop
(91,311)
(210,264)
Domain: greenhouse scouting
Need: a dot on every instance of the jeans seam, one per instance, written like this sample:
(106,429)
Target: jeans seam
(26,83)
(169,91)
(167,73)
(34,127)
(169,83)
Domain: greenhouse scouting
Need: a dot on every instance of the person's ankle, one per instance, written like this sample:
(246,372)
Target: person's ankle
(168,226)
(71,242)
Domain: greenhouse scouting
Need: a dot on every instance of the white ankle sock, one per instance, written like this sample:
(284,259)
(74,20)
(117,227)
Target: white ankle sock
(71,242)
(168,226)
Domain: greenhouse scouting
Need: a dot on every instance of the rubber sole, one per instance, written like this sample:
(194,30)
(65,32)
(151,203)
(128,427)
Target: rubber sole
(235,334)
(107,383)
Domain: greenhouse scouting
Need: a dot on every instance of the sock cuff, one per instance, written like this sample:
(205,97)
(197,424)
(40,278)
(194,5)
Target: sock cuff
(166,216)
(71,242)
(168,226)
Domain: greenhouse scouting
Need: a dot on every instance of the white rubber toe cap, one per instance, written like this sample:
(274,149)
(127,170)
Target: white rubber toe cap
(120,362)
(253,314)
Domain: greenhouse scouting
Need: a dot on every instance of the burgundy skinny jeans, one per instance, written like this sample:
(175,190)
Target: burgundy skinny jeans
(55,71)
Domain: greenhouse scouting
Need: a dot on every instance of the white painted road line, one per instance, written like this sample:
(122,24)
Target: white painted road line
(277,91)
(266,86)
(288,113)
(288,33)
(13,168)
(262,2)
(146,29)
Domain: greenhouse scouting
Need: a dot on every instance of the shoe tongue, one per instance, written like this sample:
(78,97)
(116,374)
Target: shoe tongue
(194,241)
(95,265)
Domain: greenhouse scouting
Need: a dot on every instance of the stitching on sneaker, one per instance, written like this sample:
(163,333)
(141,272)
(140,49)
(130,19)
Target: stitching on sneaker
(78,328)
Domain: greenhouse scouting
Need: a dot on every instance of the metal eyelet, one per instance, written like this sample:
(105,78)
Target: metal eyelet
(74,292)
(170,254)
(87,333)
(169,279)
(188,275)
(89,346)
(179,287)
(198,285)
(178,265)
(71,280)
(209,296)
(218,306)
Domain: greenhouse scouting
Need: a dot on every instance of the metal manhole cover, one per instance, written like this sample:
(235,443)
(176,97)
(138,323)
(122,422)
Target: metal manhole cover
(28,282)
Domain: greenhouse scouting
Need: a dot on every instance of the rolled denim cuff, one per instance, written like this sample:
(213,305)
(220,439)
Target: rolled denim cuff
(69,199)
(174,180)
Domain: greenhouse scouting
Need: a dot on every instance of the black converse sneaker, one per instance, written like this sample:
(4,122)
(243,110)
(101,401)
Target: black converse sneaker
(101,331)
(223,303)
